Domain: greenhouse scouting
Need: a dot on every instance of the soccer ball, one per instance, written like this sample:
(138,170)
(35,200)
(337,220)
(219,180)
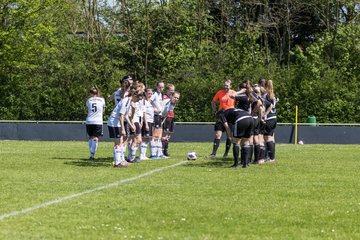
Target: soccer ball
(191,156)
(300,142)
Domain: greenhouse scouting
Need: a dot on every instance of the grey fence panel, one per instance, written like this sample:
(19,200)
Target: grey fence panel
(329,134)
(76,131)
(42,131)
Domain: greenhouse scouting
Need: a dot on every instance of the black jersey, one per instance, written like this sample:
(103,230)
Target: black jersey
(242,102)
(245,102)
(272,113)
(266,103)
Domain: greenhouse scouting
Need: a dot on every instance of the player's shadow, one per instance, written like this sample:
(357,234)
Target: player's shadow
(97,162)
(216,162)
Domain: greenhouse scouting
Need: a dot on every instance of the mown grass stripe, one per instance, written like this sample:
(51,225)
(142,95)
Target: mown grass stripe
(60,200)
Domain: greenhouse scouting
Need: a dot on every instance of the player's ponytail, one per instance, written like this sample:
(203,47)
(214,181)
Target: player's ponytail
(248,87)
(270,89)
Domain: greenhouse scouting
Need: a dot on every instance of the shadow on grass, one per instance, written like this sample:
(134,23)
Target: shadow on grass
(211,162)
(85,162)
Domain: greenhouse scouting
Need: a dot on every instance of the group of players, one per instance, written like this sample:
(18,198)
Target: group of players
(248,116)
(141,117)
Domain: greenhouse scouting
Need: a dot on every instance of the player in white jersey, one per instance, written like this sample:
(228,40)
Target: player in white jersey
(169,120)
(156,100)
(116,127)
(146,131)
(137,118)
(94,120)
(122,92)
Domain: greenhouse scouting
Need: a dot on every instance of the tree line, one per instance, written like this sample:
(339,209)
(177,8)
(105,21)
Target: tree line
(53,51)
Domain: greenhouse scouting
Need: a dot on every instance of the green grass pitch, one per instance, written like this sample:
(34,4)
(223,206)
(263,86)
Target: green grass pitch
(50,190)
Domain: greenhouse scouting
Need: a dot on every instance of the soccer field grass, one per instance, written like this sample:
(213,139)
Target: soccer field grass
(50,190)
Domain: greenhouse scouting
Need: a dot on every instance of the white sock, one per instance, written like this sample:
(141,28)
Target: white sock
(123,152)
(93,147)
(117,154)
(159,148)
(143,148)
(153,148)
(129,151)
(89,144)
(133,152)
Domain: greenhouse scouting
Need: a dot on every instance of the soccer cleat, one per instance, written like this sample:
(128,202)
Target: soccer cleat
(120,165)
(143,158)
(261,161)
(91,158)
(134,160)
(162,157)
(235,166)
(271,160)
(154,157)
(212,155)
(166,154)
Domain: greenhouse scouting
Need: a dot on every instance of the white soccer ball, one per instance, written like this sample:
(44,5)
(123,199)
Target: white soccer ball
(191,156)
(301,142)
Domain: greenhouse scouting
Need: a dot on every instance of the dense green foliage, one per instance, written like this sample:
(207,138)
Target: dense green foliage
(52,51)
(55,192)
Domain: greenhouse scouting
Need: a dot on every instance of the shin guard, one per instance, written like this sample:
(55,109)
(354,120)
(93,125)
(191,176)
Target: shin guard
(256,152)
(236,151)
(215,146)
(271,149)
(227,147)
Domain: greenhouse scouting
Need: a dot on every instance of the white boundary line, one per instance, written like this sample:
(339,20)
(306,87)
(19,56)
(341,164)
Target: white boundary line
(60,200)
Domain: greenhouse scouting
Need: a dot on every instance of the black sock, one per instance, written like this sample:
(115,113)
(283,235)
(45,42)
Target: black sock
(165,145)
(236,150)
(227,147)
(266,152)
(256,152)
(243,155)
(251,152)
(248,154)
(271,149)
(262,152)
(215,146)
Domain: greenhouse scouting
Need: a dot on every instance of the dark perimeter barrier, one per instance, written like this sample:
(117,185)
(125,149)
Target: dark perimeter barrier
(309,133)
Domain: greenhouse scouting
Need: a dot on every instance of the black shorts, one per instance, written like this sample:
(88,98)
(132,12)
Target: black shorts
(94,130)
(257,125)
(244,127)
(262,128)
(145,133)
(219,124)
(169,125)
(137,129)
(157,121)
(270,127)
(114,132)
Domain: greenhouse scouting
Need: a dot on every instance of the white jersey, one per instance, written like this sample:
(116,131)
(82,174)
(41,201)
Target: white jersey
(157,101)
(167,107)
(95,106)
(149,110)
(117,96)
(138,112)
(122,108)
